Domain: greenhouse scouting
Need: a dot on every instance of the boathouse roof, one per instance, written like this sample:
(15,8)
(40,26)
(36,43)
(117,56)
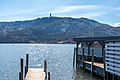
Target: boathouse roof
(87,39)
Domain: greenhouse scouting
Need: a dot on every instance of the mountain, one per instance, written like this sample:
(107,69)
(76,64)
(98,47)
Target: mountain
(53,30)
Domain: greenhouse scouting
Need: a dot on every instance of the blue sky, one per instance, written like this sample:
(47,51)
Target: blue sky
(105,11)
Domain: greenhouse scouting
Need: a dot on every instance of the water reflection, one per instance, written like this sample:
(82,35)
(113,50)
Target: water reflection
(82,75)
(58,56)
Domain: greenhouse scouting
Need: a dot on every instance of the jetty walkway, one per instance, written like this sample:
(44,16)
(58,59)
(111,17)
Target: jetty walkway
(27,73)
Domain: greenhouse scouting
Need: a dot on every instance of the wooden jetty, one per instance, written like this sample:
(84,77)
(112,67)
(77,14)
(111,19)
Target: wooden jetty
(94,67)
(109,66)
(33,73)
(95,63)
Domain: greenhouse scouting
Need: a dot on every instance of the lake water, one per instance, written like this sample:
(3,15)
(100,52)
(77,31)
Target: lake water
(58,56)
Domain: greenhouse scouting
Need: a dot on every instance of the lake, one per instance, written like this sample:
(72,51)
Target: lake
(58,56)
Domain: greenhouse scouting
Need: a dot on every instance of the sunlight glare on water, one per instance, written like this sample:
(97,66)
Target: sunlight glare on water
(58,56)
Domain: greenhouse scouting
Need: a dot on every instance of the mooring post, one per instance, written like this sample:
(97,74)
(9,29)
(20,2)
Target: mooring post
(83,59)
(44,65)
(45,68)
(74,57)
(27,56)
(48,75)
(113,77)
(25,72)
(104,63)
(21,63)
(77,54)
(92,65)
(107,76)
(20,78)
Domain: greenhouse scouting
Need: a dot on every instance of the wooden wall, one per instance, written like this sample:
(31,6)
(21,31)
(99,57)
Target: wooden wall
(113,57)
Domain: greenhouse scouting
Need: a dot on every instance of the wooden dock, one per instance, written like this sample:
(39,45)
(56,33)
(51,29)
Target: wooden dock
(109,66)
(93,66)
(33,73)
(101,65)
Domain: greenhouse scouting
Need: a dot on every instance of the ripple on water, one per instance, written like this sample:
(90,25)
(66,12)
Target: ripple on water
(58,56)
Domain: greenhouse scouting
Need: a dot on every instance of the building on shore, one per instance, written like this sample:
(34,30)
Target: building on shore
(99,55)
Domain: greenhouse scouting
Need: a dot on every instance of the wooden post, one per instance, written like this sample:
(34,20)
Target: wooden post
(88,49)
(89,44)
(27,56)
(88,52)
(113,77)
(107,76)
(92,62)
(20,78)
(103,53)
(45,68)
(48,75)
(83,59)
(25,71)
(74,56)
(21,63)
(77,53)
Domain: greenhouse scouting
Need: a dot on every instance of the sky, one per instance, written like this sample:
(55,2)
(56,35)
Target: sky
(104,11)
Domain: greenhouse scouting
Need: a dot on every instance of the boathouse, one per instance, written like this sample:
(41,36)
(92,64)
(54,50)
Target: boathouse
(99,55)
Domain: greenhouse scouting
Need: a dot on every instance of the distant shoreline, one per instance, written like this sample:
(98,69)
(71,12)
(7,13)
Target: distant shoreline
(31,43)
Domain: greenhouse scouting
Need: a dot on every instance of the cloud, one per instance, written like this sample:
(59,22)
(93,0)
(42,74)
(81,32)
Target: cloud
(118,15)
(87,15)
(16,12)
(65,9)
(76,11)
(116,9)
(92,14)
(89,11)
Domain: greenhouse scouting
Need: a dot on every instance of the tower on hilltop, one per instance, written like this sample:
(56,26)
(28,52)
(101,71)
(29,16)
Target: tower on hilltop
(50,15)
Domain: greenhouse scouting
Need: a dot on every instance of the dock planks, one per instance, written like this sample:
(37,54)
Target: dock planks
(35,74)
(101,65)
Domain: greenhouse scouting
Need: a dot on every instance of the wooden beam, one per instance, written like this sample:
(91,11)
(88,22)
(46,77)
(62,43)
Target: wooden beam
(45,68)
(89,44)
(113,77)
(92,62)
(95,64)
(25,72)
(49,76)
(27,60)
(77,53)
(107,76)
(103,54)
(20,77)
(86,39)
(83,59)
(21,64)
(74,57)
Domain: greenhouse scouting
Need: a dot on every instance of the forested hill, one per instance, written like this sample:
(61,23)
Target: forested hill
(54,30)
